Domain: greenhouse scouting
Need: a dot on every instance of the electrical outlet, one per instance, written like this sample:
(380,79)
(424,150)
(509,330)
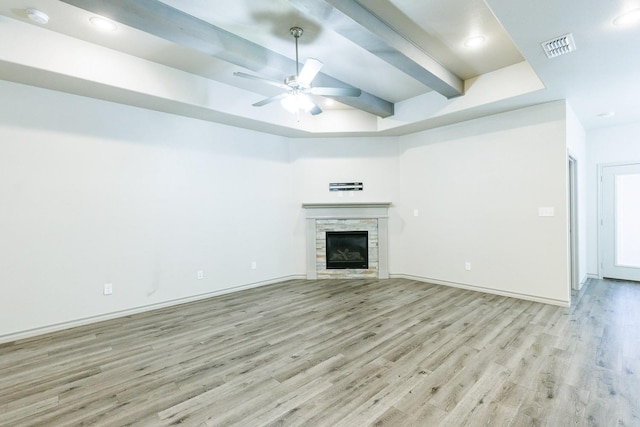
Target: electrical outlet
(416,212)
(254,265)
(108,289)
(467,266)
(200,274)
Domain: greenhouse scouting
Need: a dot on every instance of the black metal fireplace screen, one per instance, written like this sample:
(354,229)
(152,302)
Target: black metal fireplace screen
(347,249)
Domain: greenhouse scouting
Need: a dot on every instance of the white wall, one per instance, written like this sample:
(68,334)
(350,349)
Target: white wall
(620,144)
(577,148)
(93,192)
(477,187)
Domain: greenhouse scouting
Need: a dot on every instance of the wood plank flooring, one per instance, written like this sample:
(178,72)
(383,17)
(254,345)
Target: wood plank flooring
(339,353)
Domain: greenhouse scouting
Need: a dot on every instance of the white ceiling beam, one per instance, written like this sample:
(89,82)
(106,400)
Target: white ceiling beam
(161,20)
(364,28)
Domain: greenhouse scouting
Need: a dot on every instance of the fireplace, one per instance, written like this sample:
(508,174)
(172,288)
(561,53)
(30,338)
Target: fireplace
(370,218)
(347,249)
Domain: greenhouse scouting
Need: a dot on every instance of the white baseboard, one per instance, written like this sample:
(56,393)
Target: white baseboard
(592,276)
(485,290)
(583,282)
(108,316)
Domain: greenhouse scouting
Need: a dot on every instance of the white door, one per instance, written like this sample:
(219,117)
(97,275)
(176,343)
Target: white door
(620,222)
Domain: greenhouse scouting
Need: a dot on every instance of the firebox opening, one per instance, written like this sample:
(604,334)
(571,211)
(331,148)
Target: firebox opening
(347,249)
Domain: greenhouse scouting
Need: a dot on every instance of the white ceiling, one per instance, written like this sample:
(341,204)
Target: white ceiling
(170,65)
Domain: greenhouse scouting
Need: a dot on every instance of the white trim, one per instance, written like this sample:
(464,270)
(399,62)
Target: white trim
(483,289)
(573,237)
(583,282)
(347,205)
(347,210)
(114,315)
(599,223)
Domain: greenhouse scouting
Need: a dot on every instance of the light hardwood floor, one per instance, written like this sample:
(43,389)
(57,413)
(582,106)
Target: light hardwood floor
(339,353)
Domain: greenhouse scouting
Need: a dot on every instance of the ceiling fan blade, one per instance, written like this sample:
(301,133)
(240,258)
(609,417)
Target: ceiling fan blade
(271,99)
(315,110)
(311,68)
(335,91)
(261,79)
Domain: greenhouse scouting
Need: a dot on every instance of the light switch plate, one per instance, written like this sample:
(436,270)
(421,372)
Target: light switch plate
(546,211)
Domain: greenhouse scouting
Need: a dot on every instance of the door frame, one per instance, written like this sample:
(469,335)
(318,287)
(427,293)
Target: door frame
(574,248)
(600,240)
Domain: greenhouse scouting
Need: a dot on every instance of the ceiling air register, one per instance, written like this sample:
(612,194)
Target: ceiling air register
(559,46)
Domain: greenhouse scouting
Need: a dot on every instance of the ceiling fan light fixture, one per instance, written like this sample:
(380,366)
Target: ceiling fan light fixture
(298,87)
(296,102)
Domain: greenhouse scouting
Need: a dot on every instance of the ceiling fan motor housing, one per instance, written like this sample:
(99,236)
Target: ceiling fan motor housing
(294,83)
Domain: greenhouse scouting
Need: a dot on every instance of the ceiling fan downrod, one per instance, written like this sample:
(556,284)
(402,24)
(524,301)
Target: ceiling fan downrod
(296,32)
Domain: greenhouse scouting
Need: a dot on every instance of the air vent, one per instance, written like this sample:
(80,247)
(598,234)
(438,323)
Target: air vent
(559,46)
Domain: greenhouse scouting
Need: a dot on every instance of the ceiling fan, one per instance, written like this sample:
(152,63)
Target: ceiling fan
(298,87)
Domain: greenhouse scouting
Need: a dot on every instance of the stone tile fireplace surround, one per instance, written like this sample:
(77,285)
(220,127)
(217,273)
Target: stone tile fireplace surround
(323,217)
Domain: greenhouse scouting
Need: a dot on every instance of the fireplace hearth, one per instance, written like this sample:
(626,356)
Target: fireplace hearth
(347,249)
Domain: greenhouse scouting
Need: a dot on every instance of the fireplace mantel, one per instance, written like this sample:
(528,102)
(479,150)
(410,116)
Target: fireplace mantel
(347,210)
(378,211)
(346,205)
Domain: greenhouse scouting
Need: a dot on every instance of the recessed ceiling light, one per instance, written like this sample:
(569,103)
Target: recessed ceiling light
(628,18)
(37,16)
(475,41)
(103,24)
